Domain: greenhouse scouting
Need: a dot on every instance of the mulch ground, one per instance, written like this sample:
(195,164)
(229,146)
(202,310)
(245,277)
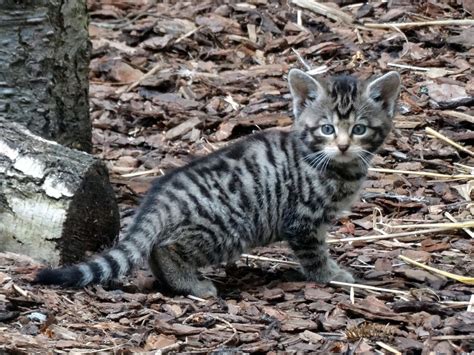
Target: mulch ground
(170,82)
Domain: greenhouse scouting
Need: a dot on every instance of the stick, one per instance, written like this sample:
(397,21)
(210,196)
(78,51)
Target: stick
(327,11)
(401,25)
(454,225)
(454,337)
(463,279)
(422,173)
(450,217)
(460,115)
(300,58)
(449,141)
(385,236)
(367,287)
(190,33)
(152,71)
(194,298)
(412,67)
(388,348)
(210,349)
(145,172)
(470,307)
(263,258)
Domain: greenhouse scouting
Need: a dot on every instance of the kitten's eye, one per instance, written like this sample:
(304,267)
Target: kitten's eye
(327,129)
(359,129)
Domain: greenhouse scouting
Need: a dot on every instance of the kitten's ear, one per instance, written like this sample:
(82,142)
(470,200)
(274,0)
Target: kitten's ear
(303,88)
(385,90)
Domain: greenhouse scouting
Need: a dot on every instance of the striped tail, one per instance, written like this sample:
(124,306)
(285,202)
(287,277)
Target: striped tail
(111,264)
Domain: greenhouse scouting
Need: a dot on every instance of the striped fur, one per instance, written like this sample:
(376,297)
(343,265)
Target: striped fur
(268,187)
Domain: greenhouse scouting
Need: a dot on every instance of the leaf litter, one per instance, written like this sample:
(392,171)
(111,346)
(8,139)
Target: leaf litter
(171,81)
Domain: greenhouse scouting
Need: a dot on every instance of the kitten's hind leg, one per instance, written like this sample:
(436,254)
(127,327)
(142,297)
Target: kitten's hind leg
(312,252)
(179,274)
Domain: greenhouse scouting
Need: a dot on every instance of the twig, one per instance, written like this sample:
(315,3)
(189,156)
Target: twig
(263,258)
(455,303)
(172,347)
(427,70)
(470,307)
(405,38)
(453,337)
(209,349)
(450,217)
(467,168)
(385,236)
(422,173)
(460,115)
(300,58)
(90,351)
(454,225)
(463,279)
(151,72)
(388,348)
(367,287)
(20,291)
(449,141)
(141,173)
(401,25)
(194,298)
(190,33)
(405,66)
(321,9)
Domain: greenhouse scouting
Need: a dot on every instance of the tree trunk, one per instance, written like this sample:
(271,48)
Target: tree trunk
(44,60)
(55,203)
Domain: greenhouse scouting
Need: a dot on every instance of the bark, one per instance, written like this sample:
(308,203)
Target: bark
(55,203)
(44,61)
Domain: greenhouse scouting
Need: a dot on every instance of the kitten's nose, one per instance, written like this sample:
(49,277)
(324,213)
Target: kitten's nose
(343,147)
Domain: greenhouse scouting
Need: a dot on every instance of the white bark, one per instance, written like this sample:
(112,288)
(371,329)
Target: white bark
(55,203)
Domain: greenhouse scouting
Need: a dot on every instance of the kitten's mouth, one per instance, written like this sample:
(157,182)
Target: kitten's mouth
(344,157)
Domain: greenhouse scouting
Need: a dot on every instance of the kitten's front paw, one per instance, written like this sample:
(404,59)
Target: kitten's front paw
(204,289)
(332,272)
(343,276)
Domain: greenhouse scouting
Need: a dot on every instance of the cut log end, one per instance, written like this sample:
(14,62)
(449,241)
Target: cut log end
(56,204)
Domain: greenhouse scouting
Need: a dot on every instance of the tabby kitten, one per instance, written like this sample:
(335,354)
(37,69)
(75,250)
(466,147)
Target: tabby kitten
(268,187)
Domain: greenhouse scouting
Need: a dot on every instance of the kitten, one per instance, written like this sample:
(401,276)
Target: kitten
(268,187)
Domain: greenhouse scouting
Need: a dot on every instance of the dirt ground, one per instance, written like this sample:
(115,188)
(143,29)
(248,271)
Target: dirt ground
(176,80)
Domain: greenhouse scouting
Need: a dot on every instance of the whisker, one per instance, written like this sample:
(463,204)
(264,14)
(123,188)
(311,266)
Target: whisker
(311,156)
(367,152)
(327,163)
(316,159)
(321,162)
(364,160)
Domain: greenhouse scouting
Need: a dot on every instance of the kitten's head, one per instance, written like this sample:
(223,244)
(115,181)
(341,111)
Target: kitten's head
(341,116)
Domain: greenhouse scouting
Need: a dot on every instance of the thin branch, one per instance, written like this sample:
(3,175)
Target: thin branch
(423,173)
(454,225)
(388,348)
(453,337)
(151,72)
(386,236)
(145,172)
(460,115)
(465,229)
(263,258)
(210,349)
(324,10)
(402,25)
(367,287)
(463,279)
(449,141)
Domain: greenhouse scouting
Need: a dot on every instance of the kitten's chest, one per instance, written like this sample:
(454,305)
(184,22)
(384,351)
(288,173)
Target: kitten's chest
(341,197)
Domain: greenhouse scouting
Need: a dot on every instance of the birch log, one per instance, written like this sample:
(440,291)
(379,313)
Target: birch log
(55,203)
